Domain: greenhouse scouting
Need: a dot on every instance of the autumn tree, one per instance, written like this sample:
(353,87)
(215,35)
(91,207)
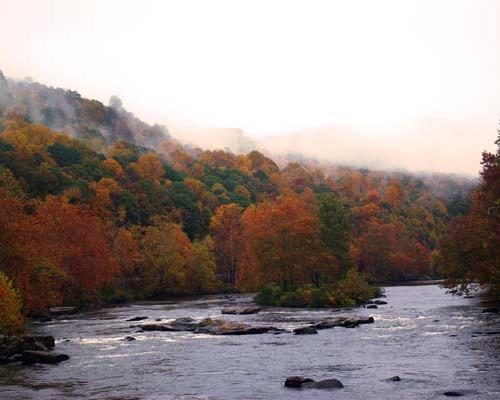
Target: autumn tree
(226,228)
(281,243)
(11,319)
(471,249)
(149,167)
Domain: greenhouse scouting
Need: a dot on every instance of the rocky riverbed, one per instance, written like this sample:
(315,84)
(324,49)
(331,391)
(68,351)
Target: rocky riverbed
(422,344)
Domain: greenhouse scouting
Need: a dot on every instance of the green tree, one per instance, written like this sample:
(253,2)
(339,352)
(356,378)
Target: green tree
(335,228)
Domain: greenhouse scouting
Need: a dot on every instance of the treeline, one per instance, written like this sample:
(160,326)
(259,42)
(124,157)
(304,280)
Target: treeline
(85,220)
(471,248)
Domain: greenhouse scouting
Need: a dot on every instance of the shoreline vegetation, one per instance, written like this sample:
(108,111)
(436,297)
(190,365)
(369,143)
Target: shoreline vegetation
(97,206)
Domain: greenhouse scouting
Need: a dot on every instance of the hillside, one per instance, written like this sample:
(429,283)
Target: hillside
(98,205)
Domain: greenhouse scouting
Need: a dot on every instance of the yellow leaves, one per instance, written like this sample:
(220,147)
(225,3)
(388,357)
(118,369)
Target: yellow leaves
(11,319)
(114,168)
(149,167)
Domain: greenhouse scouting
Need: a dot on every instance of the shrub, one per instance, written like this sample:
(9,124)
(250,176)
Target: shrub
(11,319)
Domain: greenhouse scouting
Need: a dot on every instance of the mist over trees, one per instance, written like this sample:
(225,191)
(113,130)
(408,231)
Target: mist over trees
(98,206)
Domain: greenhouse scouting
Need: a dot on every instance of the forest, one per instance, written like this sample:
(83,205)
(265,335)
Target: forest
(96,206)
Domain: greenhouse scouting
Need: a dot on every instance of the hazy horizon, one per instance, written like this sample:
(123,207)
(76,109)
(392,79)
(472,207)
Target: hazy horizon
(409,85)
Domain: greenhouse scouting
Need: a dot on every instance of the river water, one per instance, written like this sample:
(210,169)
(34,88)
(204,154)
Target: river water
(434,341)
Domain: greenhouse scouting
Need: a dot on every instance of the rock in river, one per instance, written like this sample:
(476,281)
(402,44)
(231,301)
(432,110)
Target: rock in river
(372,306)
(10,345)
(305,330)
(380,302)
(136,319)
(308,383)
(62,310)
(324,384)
(240,310)
(296,381)
(43,357)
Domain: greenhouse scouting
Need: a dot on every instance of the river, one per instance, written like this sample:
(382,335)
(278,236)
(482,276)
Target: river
(434,341)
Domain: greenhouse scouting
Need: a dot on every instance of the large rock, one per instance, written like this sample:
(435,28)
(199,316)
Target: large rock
(62,310)
(296,381)
(240,310)
(210,326)
(10,345)
(42,357)
(305,330)
(324,384)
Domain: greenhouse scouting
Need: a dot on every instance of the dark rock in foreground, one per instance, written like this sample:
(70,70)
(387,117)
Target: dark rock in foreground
(240,310)
(308,383)
(62,310)
(42,357)
(296,381)
(10,345)
(305,330)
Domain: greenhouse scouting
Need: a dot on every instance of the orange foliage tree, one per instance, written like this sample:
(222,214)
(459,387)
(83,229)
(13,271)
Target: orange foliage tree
(226,229)
(281,244)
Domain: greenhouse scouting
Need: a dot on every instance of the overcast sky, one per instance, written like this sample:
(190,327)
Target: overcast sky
(378,68)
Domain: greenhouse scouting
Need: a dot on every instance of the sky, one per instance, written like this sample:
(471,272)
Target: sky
(353,80)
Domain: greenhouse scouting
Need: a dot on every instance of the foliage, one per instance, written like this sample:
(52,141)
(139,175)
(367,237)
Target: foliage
(351,290)
(11,318)
(471,249)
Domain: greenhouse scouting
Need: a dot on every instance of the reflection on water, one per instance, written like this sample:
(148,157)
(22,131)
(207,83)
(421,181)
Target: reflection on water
(433,341)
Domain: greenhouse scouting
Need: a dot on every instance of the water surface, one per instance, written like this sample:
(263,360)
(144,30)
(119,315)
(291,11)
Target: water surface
(435,342)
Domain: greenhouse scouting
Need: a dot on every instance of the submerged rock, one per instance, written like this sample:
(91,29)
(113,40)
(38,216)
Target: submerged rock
(372,306)
(453,394)
(324,384)
(136,319)
(296,381)
(240,310)
(43,357)
(62,310)
(380,302)
(394,379)
(129,339)
(491,310)
(155,328)
(305,330)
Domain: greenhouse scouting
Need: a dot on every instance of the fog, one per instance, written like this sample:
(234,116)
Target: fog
(386,84)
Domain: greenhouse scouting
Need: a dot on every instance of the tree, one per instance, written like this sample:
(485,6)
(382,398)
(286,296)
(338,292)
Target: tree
(471,249)
(149,167)
(226,229)
(335,228)
(11,319)
(281,243)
